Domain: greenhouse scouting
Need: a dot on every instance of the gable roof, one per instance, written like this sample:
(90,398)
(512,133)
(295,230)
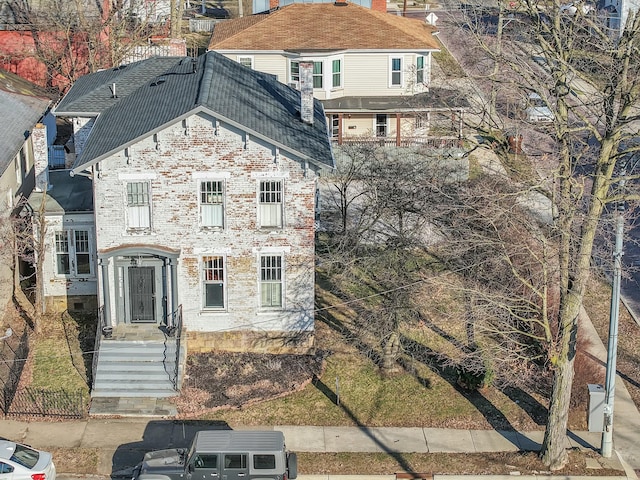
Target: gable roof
(154,93)
(323,26)
(25,104)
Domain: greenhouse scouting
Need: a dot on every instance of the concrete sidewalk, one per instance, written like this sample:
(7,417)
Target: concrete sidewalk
(122,442)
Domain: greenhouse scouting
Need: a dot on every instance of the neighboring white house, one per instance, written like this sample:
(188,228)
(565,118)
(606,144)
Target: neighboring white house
(27,130)
(371,70)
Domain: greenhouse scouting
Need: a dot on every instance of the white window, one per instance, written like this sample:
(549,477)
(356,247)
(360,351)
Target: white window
(395,71)
(420,70)
(82,258)
(335,126)
(138,206)
(294,72)
(73,253)
(246,61)
(212,203)
(271,281)
(213,282)
(63,261)
(317,75)
(336,73)
(270,203)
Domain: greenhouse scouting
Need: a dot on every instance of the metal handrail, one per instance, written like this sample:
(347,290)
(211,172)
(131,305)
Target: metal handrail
(174,331)
(96,345)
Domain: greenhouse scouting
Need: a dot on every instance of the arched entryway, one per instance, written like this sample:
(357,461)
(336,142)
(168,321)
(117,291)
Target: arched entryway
(139,285)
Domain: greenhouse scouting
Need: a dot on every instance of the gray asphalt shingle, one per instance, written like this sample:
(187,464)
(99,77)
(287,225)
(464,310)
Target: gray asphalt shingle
(156,92)
(22,105)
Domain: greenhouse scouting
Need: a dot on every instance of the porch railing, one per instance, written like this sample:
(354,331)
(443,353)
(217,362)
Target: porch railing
(174,331)
(446,142)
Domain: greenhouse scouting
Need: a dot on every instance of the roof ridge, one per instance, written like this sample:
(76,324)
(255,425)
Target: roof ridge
(207,78)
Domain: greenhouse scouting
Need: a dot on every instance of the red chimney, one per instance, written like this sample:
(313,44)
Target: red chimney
(379,5)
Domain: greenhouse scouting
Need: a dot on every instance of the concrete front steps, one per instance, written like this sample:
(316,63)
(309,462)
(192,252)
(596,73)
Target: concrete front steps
(132,379)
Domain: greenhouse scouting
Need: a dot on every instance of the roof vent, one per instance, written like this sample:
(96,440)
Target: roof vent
(158,81)
(113,90)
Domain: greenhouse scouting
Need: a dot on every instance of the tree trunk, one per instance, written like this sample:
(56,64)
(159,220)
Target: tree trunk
(390,354)
(554,453)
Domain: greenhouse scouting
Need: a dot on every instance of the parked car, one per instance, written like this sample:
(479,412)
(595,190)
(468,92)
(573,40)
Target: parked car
(21,462)
(537,110)
(226,454)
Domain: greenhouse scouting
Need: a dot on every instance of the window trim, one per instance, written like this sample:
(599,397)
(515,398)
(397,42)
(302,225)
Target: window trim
(261,223)
(204,282)
(129,227)
(420,70)
(240,58)
(281,268)
(72,252)
(201,203)
(294,77)
(338,73)
(379,125)
(398,71)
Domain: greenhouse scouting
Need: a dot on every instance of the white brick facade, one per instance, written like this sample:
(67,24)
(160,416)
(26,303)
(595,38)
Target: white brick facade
(173,163)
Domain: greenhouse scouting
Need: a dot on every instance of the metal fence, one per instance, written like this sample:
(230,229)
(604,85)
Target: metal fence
(41,402)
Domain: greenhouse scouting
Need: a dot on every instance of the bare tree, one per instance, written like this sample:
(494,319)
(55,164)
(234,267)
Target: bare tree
(588,78)
(73,38)
(29,241)
(384,199)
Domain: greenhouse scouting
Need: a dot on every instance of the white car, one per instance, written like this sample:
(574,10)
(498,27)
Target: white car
(20,462)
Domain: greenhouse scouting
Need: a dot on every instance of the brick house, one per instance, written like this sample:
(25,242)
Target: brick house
(204,184)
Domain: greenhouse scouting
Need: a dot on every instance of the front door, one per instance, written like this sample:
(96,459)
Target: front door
(142,294)
(381,125)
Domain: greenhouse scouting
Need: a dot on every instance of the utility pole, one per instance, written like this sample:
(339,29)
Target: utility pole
(614,313)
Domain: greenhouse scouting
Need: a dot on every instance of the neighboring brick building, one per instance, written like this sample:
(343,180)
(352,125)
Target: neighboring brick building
(204,185)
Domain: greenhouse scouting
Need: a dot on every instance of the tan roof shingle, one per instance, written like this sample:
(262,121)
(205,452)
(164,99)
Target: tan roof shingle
(323,26)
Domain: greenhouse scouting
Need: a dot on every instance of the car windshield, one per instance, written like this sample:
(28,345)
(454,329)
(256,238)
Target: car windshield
(25,456)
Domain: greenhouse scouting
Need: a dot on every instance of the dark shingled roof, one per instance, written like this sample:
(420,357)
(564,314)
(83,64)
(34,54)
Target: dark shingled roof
(67,194)
(434,99)
(154,93)
(24,104)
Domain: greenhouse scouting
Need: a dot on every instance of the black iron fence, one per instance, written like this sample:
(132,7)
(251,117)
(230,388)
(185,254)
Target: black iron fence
(42,402)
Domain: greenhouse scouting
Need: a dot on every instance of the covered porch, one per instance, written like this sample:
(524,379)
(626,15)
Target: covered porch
(434,119)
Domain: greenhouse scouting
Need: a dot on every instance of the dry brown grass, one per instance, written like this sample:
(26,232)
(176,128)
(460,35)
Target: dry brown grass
(501,463)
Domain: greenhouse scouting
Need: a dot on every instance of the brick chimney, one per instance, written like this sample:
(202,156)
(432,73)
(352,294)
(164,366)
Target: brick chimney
(379,5)
(274,4)
(306,92)
(40,156)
